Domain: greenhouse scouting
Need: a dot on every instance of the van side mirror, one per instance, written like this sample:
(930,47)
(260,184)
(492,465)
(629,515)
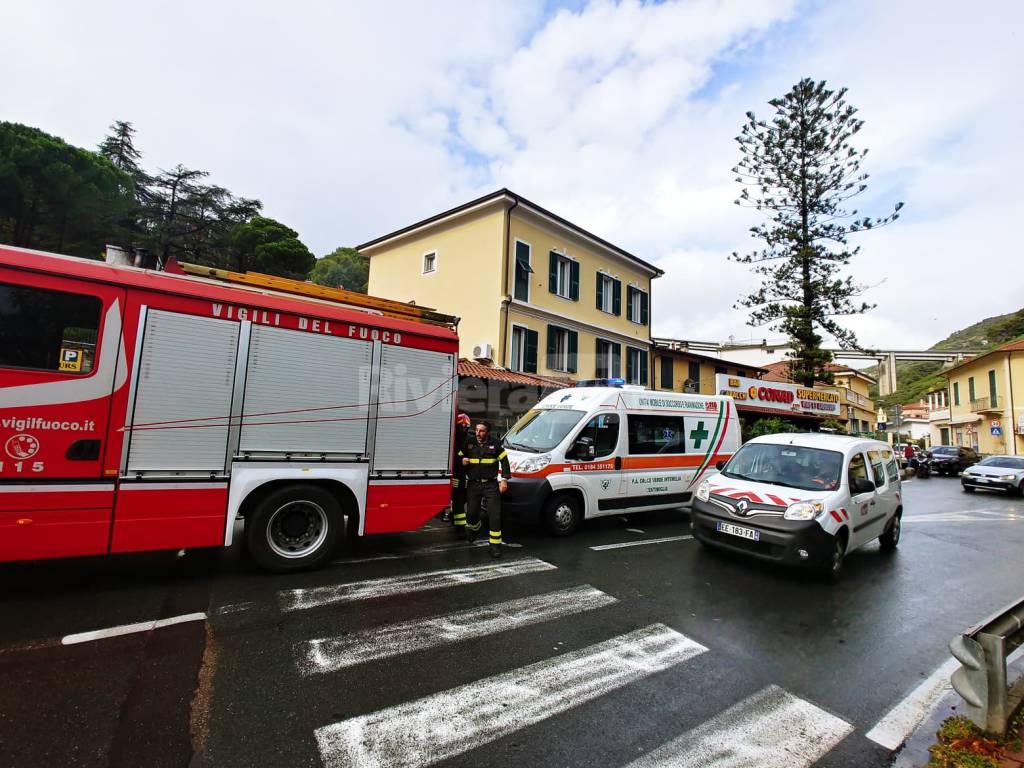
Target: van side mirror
(720,465)
(861,485)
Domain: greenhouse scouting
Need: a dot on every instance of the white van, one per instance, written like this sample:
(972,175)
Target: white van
(805,499)
(605,450)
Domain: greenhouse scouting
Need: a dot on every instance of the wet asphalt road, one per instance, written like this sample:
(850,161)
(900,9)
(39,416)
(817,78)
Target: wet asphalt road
(233,690)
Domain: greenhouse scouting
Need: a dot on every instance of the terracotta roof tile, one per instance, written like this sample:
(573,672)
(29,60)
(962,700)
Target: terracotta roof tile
(470,369)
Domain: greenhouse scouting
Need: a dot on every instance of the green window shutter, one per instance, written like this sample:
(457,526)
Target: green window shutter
(643,367)
(573,351)
(667,374)
(629,366)
(530,353)
(992,388)
(956,393)
(553,272)
(616,361)
(616,297)
(574,280)
(644,298)
(523,270)
(600,291)
(970,389)
(599,361)
(629,301)
(551,347)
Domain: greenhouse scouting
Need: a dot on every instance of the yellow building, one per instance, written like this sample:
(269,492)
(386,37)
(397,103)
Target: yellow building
(986,401)
(679,370)
(535,293)
(854,392)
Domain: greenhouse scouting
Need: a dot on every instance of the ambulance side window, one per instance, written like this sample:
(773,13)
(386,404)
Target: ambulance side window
(656,434)
(603,429)
(46,330)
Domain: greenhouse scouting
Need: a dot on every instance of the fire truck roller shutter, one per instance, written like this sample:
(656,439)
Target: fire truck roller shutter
(414,419)
(183,398)
(305,393)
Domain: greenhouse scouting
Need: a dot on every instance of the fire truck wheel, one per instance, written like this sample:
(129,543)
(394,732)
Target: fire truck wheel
(295,527)
(562,514)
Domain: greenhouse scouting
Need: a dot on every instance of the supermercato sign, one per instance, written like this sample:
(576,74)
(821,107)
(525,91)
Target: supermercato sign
(778,396)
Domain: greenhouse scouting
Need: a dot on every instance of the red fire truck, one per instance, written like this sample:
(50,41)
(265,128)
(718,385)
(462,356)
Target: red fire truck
(146,410)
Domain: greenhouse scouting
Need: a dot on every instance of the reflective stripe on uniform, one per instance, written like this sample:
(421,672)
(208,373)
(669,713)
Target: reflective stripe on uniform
(495,537)
(502,455)
(483,461)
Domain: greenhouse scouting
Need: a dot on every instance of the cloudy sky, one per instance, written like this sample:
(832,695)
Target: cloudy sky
(350,120)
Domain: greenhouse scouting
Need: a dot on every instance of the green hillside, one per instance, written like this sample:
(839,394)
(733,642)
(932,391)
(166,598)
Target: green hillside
(915,380)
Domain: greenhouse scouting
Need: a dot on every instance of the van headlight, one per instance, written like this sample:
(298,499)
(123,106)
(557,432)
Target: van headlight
(804,510)
(530,464)
(703,491)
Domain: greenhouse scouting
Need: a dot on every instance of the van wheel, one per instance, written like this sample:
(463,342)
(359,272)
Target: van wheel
(968,489)
(295,527)
(562,515)
(833,570)
(890,539)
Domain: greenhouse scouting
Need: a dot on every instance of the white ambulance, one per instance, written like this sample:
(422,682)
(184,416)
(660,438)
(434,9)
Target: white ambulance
(605,450)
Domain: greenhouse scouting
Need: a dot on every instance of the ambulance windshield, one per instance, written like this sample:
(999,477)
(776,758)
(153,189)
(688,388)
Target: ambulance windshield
(811,469)
(541,430)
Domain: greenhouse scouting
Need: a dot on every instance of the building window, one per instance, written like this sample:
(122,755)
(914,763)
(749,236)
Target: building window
(607,364)
(741,373)
(693,378)
(563,276)
(667,374)
(429,262)
(992,389)
(46,330)
(636,366)
(562,349)
(637,305)
(609,294)
(524,350)
(970,389)
(719,369)
(521,290)
(956,393)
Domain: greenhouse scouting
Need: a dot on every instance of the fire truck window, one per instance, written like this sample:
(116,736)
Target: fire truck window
(656,434)
(47,330)
(604,431)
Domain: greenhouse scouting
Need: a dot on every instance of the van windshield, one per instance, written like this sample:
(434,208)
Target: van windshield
(542,429)
(810,469)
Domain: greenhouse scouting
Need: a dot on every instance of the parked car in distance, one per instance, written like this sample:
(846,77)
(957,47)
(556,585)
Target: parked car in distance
(952,459)
(803,499)
(995,473)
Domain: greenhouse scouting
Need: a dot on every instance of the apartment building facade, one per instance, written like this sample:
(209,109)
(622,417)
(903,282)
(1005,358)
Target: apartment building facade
(536,293)
(938,417)
(676,369)
(986,401)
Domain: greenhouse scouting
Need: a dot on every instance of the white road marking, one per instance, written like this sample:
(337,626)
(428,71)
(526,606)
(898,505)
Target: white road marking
(448,723)
(436,549)
(602,547)
(899,722)
(127,629)
(332,654)
(635,530)
(771,729)
(314,597)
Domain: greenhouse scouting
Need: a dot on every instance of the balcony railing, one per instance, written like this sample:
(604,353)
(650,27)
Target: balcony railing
(982,404)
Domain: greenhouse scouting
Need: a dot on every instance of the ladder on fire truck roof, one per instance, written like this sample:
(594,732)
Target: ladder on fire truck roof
(386,307)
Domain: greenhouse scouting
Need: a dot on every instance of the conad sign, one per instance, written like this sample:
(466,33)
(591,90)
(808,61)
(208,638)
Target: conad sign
(779,396)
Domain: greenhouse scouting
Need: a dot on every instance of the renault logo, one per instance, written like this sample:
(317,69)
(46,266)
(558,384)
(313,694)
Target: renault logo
(742,507)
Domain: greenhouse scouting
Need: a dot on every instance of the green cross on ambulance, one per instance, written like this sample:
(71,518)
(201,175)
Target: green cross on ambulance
(611,449)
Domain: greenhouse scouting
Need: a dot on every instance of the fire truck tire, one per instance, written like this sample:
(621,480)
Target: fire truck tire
(562,514)
(294,527)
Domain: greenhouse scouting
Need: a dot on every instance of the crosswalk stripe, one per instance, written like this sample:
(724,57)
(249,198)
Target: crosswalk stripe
(771,729)
(449,723)
(314,597)
(640,543)
(331,654)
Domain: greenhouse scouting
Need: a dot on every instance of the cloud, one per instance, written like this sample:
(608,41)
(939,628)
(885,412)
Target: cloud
(351,120)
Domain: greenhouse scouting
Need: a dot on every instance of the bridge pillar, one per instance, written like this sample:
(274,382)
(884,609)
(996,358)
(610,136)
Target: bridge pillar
(887,374)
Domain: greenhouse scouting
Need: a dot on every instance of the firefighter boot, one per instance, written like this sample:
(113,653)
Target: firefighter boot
(495,541)
(472,531)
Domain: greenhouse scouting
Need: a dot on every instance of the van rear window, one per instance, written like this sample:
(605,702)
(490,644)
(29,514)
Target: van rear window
(46,330)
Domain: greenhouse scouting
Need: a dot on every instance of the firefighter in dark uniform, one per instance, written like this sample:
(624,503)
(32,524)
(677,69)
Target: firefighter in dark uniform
(487,471)
(458,510)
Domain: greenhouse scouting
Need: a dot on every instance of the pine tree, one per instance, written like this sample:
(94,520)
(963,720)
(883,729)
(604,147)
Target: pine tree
(800,170)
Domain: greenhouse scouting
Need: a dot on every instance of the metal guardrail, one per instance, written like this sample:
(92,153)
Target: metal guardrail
(981,680)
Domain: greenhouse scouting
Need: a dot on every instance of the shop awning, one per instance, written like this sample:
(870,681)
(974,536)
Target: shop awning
(966,419)
(783,414)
